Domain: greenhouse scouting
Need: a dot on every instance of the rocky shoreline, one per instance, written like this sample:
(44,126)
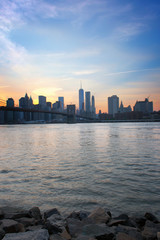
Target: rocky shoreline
(82,225)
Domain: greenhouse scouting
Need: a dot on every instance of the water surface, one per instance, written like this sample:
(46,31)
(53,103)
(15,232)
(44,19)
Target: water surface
(81,166)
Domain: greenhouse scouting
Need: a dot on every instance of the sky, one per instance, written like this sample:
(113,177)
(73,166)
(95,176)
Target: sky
(51,47)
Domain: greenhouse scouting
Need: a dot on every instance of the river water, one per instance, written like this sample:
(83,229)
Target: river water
(81,166)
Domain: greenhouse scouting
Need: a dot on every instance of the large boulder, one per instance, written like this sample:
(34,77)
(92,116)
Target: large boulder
(97,230)
(99,215)
(74,227)
(33,235)
(51,212)
(35,213)
(11,226)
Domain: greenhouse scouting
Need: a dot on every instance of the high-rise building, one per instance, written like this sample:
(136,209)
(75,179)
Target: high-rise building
(10,102)
(81,100)
(88,102)
(61,100)
(93,105)
(144,106)
(24,101)
(113,105)
(42,101)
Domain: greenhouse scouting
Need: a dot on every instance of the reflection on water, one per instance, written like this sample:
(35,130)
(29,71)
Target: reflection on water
(81,166)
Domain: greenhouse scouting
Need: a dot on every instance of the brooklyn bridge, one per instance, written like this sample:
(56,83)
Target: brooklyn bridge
(37,115)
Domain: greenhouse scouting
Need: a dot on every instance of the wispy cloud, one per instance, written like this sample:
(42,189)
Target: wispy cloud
(133,71)
(85,72)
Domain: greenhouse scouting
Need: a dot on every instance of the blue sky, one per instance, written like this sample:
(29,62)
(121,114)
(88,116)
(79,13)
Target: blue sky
(111,46)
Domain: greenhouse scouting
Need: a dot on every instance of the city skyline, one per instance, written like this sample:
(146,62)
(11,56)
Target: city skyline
(112,47)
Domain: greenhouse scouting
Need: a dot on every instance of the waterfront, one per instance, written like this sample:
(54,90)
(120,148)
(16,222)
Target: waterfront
(81,166)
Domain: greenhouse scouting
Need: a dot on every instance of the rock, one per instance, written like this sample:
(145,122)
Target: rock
(124,236)
(14,213)
(33,235)
(2,233)
(57,220)
(52,229)
(150,230)
(122,217)
(26,221)
(11,226)
(83,215)
(140,222)
(35,213)
(158,235)
(1,214)
(65,234)
(51,212)
(114,222)
(74,215)
(74,227)
(56,237)
(33,228)
(151,217)
(96,230)
(99,215)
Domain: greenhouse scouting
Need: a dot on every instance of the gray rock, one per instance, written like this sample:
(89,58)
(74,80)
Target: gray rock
(2,233)
(56,237)
(115,222)
(14,213)
(96,230)
(150,230)
(1,214)
(33,235)
(124,236)
(34,228)
(74,226)
(57,220)
(11,226)
(51,212)
(151,217)
(99,215)
(35,213)
(26,221)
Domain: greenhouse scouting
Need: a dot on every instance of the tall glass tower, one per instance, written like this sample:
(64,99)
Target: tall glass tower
(88,102)
(81,100)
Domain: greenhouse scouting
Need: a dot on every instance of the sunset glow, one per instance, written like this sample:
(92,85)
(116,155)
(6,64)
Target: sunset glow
(49,47)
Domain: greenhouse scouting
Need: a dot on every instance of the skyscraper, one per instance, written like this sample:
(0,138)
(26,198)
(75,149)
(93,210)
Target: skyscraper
(61,100)
(87,102)
(81,100)
(113,105)
(42,101)
(93,105)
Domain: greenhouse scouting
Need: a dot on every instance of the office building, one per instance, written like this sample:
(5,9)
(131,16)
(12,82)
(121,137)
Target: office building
(61,100)
(93,105)
(113,105)
(42,101)
(10,102)
(144,106)
(81,100)
(88,102)
(24,102)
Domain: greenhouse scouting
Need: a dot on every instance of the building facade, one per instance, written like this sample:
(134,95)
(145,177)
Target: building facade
(61,100)
(113,105)
(88,102)
(144,106)
(81,100)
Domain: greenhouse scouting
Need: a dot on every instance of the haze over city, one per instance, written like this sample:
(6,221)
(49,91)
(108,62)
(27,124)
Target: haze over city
(111,47)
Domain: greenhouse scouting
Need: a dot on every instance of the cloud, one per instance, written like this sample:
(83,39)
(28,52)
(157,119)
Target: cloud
(85,72)
(132,71)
